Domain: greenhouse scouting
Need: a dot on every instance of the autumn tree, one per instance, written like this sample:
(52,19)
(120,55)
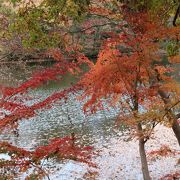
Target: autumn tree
(13,107)
(163,11)
(129,74)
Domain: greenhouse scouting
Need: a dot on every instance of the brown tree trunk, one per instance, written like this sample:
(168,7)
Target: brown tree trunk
(176,130)
(175,124)
(144,164)
(142,141)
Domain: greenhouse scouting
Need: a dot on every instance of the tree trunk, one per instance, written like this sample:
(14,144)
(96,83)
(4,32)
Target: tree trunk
(144,164)
(176,130)
(175,124)
(142,141)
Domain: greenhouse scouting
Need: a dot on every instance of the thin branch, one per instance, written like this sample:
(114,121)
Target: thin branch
(153,126)
(169,109)
(176,15)
(42,170)
(93,26)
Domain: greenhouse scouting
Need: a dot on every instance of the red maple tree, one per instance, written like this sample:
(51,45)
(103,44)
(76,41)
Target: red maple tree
(13,100)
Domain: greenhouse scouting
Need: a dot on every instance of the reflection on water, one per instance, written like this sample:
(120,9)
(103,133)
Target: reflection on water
(62,119)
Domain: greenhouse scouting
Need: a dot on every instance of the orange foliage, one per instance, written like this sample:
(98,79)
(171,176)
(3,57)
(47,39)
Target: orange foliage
(164,151)
(129,65)
(129,72)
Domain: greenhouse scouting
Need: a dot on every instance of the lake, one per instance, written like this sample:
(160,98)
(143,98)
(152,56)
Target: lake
(61,119)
